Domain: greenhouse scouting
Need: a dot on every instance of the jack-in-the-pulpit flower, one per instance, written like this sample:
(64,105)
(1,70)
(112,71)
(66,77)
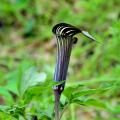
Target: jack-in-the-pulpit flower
(64,39)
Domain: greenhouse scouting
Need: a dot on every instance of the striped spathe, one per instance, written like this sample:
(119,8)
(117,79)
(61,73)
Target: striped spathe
(64,40)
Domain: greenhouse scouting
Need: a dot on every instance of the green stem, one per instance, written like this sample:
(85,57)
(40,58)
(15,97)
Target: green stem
(65,108)
(72,112)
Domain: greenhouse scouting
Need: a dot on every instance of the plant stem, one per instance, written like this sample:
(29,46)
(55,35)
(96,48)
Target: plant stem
(64,110)
(72,111)
(57,102)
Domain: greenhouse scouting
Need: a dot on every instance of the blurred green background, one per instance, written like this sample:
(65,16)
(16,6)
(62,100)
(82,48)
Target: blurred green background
(28,51)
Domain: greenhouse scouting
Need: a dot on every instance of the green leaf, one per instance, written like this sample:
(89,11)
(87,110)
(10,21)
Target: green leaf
(31,78)
(4,108)
(90,102)
(114,109)
(89,92)
(95,103)
(6,94)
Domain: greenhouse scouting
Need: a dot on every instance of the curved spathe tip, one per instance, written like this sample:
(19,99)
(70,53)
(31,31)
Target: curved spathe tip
(65,29)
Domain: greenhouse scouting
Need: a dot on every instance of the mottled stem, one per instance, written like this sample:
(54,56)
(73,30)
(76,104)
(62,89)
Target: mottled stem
(57,101)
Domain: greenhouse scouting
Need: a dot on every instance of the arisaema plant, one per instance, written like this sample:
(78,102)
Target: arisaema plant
(65,40)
